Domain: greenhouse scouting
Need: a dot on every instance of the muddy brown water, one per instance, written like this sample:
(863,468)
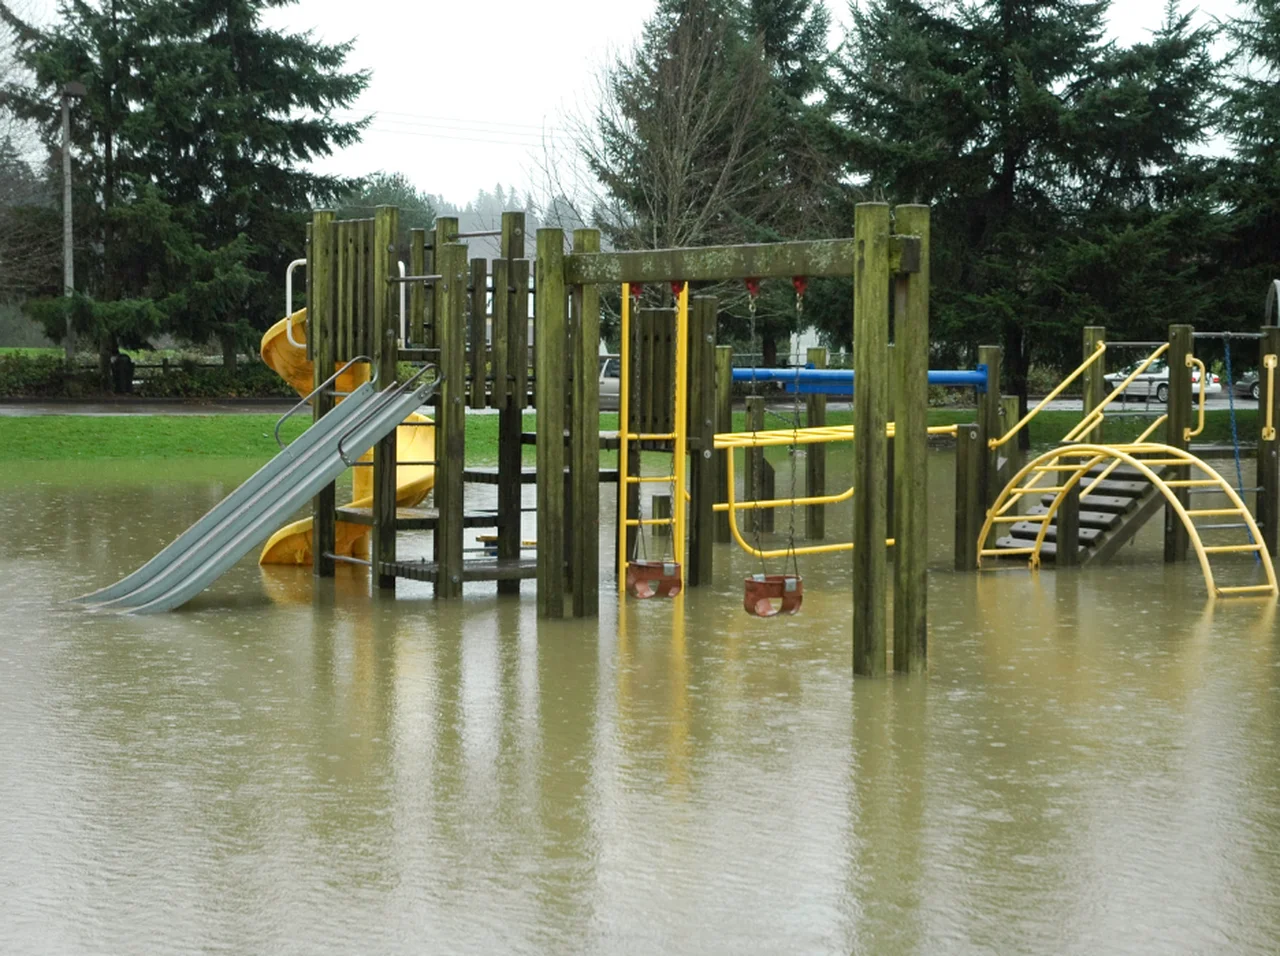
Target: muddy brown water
(1091,764)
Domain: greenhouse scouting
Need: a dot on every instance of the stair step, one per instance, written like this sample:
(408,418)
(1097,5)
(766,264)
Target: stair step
(1120,472)
(1026,531)
(1048,551)
(1107,503)
(1102,520)
(1130,489)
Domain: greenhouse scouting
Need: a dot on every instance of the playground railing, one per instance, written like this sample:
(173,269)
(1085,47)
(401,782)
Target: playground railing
(1188,433)
(1094,417)
(1023,422)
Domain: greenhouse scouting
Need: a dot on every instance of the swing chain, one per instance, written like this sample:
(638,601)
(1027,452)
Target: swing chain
(753,292)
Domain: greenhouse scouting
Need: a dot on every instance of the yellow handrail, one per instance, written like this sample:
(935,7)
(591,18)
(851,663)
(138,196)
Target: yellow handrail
(814,435)
(1187,433)
(1087,423)
(624,415)
(1116,463)
(1269,430)
(994,443)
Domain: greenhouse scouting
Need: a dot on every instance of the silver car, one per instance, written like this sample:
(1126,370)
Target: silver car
(610,382)
(1155,381)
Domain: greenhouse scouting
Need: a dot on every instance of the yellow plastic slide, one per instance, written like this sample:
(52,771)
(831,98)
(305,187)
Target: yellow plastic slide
(292,543)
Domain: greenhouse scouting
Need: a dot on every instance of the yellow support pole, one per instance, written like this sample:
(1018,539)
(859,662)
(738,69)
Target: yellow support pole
(624,413)
(681,423)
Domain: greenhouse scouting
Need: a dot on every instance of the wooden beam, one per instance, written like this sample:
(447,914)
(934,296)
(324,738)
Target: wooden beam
(1068,529)
(477,347)
(418,293)
(1181,344)
(451,438)
(584,440)
(815,456)
(703,471)
(781,260)
(970,511)
(990,420)
(320,304)
(911,455)
(870,341)
(723,423)
(550,306)
(384,329)
(1268,447)
(1095,385)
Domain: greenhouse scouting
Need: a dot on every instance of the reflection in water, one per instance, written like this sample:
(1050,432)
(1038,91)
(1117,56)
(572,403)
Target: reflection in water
(292,765)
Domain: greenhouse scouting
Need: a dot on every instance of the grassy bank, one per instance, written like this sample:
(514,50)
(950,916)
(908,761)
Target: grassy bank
(79,437)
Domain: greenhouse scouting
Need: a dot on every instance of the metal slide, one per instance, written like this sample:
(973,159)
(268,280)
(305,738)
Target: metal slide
(249,515)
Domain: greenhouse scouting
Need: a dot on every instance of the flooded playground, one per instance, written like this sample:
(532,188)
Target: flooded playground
(286,766)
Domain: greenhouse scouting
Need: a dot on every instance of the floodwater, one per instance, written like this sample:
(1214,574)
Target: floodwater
(286,766)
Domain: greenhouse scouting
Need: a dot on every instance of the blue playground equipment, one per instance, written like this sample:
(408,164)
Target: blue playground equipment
(808,380)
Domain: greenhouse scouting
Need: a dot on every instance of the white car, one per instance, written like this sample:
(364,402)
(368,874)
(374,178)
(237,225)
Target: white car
(1155,381)
(610,382)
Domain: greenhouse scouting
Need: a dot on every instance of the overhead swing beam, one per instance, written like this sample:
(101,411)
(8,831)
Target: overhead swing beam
(778,260)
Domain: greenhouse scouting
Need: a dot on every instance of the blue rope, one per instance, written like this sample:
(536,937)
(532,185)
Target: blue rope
(1235,434)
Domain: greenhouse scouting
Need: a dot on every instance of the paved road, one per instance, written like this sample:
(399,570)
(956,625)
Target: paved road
(122,408)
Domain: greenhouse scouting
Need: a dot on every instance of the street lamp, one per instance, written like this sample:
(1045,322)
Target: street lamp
(70,91)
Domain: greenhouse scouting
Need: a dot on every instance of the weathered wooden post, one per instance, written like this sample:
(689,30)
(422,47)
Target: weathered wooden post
(1095,384)
(724,423)
(1068,528)
(989,421)
(870,338)
(815,458)
(1181,343)
(383,330)
(970,511)
(584,431)
(320,343)
(550,307)
(661,507)
(911,451)
(1010,406)
(477,346)
(702,456)
(451,338)
(510,322)
(1268,441)
(418,295)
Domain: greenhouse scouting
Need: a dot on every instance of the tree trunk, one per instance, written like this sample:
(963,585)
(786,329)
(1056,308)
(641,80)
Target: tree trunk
(228,351)
(1017,363)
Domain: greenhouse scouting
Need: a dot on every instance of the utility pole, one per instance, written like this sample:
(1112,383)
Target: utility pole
(69,91)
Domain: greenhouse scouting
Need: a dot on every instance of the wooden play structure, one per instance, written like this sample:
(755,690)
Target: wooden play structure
(388,328)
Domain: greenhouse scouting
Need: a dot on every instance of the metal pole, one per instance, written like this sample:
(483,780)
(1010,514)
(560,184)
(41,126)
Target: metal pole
(68,264)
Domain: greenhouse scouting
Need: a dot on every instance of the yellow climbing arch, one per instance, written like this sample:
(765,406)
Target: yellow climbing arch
(1066,466)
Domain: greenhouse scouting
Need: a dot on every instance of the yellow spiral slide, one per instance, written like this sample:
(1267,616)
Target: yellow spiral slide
(292,543)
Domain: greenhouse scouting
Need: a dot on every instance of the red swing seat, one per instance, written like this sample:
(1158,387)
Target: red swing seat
(761,590)
(646,579)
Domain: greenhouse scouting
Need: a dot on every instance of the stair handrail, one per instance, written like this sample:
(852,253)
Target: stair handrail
(373,380)
(1094,417)
(994,443)
(394,391)
(1187,433)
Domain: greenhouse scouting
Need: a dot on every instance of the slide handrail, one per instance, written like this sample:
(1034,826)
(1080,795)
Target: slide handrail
(1098,352)
(394,392)
(288,303)
(373,380)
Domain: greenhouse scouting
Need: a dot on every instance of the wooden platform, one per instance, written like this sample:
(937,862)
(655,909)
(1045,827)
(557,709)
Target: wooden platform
(480,569)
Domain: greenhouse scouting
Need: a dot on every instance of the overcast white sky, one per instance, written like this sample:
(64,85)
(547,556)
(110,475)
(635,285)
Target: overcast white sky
(464,95)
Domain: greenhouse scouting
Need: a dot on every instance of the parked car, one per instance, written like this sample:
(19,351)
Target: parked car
(1247,384)
(610,382)
(1155,381)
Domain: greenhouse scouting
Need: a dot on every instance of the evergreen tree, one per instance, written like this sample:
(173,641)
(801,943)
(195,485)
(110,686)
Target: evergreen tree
(417,211)
(189,143)
(1251,188)
(1046,153)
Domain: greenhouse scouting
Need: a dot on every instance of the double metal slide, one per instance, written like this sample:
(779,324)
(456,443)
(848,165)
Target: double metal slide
(248,516)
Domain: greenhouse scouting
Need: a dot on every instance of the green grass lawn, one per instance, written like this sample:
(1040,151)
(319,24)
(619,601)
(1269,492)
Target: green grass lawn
(29,353)
(249,436)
